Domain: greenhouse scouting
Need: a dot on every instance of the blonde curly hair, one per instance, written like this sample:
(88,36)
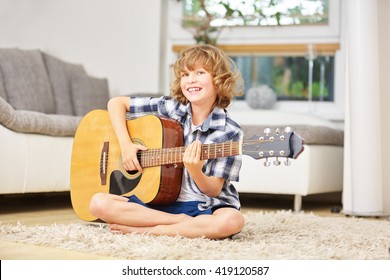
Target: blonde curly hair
(227,79)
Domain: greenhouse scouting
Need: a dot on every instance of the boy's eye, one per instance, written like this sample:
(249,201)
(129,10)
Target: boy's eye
(184,74)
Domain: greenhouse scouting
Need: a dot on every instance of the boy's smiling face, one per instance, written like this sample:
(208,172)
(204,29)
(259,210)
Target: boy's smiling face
(197,86)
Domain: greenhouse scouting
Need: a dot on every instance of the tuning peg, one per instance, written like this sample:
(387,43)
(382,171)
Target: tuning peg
(277,131)
(277,162)
(267,130)
(267,163)
(287,129)
(287,162)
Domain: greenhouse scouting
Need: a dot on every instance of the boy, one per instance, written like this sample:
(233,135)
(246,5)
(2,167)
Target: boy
(208,205)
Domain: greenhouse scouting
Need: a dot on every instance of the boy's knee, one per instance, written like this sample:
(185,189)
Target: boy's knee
(96,204)
(232,224)
(237,223)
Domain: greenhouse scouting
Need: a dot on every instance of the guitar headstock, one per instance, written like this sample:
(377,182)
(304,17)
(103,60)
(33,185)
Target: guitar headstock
(277,144)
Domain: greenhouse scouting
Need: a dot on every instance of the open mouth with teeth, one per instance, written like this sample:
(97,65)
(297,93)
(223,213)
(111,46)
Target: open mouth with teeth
(194,89)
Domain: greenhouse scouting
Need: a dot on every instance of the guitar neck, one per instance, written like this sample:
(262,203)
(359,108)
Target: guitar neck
(166,156)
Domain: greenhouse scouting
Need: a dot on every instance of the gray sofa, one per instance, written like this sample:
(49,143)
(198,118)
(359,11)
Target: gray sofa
(42,100)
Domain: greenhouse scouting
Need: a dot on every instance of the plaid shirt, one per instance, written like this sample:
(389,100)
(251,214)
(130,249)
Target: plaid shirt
(217,128)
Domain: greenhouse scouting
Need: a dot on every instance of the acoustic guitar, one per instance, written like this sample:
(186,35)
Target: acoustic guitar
(96,164)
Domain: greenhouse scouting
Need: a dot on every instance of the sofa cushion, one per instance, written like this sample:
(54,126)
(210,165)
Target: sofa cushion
(88,93)
(25,79)
(57,71)
(37,122)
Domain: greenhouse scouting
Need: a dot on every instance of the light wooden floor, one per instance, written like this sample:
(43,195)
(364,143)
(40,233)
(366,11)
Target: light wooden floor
(46,209)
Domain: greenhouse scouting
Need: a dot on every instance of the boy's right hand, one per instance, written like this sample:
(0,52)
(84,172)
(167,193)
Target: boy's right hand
(129,156)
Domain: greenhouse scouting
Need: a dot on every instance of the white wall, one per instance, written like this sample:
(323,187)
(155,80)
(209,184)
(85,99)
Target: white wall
(384,76)
(116,39)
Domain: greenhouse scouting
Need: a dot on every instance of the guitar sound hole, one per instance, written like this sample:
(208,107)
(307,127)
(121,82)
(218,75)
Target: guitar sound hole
(132,172)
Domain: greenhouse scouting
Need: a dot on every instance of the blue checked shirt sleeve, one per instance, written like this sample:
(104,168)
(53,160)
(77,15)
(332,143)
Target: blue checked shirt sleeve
(162,106)
(140,106)
(227,167)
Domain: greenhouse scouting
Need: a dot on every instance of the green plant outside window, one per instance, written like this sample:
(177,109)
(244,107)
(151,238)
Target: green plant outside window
(219,13)
(289,76)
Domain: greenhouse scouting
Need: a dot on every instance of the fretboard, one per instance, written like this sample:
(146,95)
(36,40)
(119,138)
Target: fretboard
(166,156)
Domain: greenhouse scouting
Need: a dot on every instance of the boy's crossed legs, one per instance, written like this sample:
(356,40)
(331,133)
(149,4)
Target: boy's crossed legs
(128,217)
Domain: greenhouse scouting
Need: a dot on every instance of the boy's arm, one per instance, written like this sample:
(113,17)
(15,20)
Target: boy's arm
(209,185)
(117,108)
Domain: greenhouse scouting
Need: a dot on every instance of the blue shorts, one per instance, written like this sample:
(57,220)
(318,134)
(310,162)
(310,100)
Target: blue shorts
(189,208)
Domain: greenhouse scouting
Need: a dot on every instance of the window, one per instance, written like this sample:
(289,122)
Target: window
(255,12)
(290,77)
(273,53)
(295,72)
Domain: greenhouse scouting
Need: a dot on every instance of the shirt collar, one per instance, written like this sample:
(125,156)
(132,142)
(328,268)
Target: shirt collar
(216,120)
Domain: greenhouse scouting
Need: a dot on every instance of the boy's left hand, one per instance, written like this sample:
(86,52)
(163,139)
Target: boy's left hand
(191,157)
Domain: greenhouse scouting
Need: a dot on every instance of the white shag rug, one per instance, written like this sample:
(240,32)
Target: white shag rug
(282,235)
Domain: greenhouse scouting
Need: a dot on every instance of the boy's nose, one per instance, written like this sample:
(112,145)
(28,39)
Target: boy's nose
(191,78)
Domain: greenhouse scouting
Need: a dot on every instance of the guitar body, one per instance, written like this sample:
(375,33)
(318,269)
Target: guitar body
(96,164)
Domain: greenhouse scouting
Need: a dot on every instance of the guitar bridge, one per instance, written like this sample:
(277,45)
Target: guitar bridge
(104,163)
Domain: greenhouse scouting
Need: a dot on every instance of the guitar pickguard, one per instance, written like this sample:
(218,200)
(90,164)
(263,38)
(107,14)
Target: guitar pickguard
(120,184)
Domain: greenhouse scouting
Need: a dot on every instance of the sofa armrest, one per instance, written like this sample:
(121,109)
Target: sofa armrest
(36,122)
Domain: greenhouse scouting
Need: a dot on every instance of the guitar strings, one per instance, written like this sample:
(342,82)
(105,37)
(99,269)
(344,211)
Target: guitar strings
(161,156)
(218,147)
